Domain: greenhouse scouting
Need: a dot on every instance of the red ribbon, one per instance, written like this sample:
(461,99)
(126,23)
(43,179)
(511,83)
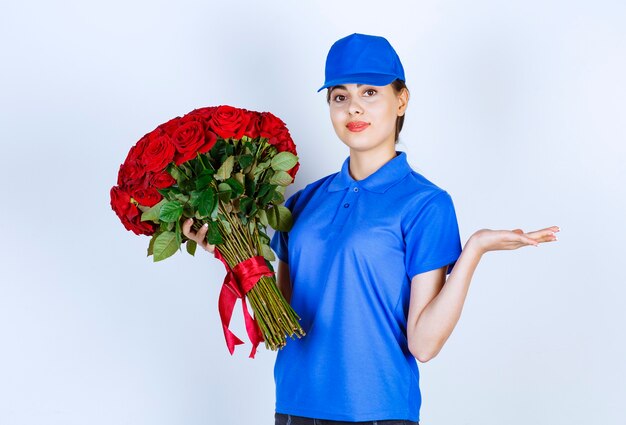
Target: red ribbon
(238,282)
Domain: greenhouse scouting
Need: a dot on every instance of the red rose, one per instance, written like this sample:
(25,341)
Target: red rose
(283,142)
(228,122)
(169,127)
(188,139)
(147,196)
(271,125)
(209,140)
(158,152)
(129,214)
(203,113)
(253,129)
(160,180)
(134,154)
(130,175)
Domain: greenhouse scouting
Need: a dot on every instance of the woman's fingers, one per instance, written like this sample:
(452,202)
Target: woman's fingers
(201,238)
(201,235)
(198,237)
(544,235)
(187,228)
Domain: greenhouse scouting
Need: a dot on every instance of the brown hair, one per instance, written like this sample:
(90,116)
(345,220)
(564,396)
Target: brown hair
(397,86)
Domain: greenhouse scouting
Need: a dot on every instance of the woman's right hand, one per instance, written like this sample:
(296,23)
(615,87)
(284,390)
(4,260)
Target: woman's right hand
(199,237)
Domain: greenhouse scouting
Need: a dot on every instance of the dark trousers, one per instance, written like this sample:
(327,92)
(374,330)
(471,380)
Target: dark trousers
(284,419)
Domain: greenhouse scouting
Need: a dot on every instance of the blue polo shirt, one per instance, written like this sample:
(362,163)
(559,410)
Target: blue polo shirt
(352,252)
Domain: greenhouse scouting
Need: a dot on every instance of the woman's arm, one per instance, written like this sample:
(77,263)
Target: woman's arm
(435,307)
(283,280)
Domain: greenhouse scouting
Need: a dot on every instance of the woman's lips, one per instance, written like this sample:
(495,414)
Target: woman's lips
(357,126)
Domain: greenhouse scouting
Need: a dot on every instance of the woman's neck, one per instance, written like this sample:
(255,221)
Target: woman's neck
(365,163)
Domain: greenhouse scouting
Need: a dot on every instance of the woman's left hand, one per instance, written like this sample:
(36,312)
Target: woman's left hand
(495,240)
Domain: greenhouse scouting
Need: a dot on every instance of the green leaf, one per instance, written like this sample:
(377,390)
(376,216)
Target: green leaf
(254,209)
(176,173)
(224,192)
(204,179)
(278,198)
(240,178)
(206,160)
(206,202)
(218,149)
(185,168)
(196,165)
(191,247)
(236,187)
(188,210)
(213,235)
(245,161)
(262,217)
(215,210)
(187,186)
(279,217)
(152,214)
(171,211)
(181,197)
(268,196)
(264,188)
(226,169)
(281,178)
(151,244)
(284,161)
(267,252)
(229,149)
(261,167)
(164,192)
(195,197)
(225,224)
(165,246)
(251,148)
(179,233)
(263,237)
(245,205)
(250,187)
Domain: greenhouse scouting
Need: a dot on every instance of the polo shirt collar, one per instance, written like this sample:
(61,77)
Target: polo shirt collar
(379,181)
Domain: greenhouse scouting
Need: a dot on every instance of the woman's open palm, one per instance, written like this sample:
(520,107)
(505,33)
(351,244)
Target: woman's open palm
(496,240)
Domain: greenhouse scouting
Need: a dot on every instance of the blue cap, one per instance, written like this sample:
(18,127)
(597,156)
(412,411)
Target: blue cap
(362,59)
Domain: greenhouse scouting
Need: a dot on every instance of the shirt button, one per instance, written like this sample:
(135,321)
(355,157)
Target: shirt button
(356,189)
(346,205)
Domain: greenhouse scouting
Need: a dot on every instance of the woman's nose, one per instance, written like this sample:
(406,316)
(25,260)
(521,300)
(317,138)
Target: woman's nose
(355,107)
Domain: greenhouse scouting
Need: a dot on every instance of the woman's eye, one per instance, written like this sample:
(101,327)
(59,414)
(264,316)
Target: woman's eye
(339,98)
(370,92)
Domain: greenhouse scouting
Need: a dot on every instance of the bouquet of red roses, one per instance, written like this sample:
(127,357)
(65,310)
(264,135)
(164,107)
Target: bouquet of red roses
(227,167)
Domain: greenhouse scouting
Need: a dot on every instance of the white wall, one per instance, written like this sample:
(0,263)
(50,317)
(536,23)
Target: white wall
(517,110)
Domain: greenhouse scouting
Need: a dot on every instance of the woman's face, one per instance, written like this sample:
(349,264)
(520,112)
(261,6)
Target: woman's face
(364,116)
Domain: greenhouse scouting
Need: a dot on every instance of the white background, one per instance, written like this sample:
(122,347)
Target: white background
(517,110)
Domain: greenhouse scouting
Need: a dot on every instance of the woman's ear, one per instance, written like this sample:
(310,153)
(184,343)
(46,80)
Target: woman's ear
(403,101)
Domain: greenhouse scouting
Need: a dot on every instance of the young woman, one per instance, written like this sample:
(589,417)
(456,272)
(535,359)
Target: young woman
(373,263)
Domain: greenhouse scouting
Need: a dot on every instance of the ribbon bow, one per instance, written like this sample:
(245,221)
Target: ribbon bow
(238,282)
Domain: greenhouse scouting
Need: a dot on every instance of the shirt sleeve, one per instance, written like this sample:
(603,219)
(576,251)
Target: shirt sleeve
(280,240)
(432,237)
